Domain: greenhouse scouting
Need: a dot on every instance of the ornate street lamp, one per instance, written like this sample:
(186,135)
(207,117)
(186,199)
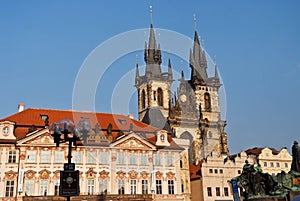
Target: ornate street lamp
(65,131)
(84,127)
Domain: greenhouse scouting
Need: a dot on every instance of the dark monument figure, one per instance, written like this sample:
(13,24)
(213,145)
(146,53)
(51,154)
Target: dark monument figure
(261,186)
(296,157)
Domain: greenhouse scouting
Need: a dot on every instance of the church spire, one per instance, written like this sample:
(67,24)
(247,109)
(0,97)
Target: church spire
(198,61)
(152,54)
(137,74)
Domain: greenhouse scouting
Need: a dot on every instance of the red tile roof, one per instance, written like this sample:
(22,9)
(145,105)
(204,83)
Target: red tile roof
(256,151)
(195,171)
(32,116)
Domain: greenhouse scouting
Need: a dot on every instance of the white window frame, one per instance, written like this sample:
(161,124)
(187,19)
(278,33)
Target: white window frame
(91,155)
(157,159)
(171,187)
(144,159)
(9,188)
(169,160)
(45,156)
(103,186)
(44,187)
(77,157)
(144,186)
(91,186)
(121,158)
(103,157)
(29,187)
(133,186)
(31,156)
(121,186)
(158,186)
(132,159)
(59,156)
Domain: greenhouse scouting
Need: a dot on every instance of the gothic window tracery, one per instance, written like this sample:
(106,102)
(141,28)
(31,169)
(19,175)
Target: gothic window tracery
(160,97)
(207,102)
(143,99)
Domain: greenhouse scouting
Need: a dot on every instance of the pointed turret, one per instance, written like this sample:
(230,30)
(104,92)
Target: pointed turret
(152,41)
(137,74)
(217,78)
(152,56)
(170,73)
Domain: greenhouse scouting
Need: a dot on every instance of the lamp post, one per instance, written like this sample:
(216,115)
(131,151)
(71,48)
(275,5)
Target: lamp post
(65,131)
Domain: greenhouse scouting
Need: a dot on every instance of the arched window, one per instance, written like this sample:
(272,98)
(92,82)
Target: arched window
(207,104)
(143,100)
(160,98)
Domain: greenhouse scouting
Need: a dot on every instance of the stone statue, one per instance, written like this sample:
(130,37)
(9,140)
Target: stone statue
(296,157)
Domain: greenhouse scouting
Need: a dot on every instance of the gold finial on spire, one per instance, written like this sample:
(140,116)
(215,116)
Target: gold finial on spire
(151,14)
(195,22)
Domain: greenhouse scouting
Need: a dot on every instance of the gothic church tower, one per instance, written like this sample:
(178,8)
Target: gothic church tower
(194,111)
(153,87)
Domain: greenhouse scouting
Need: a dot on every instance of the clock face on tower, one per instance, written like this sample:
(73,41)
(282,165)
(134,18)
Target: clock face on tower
(183,98)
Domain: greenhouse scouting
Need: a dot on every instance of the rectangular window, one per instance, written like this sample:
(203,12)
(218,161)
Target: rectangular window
(29,187)
(103,158)
(239,171)
(77,157)
(157,159)
(45,157)
(103,186)
(31,156)
(169,160)
(277,164)
(211,171)
(56,187)
(132,186)
(158,187)
(265,164)
(171,186)
(121,157)
(132,159)
(286,165)
(144,159)
(209,193)
(226,191)
(144,186)
(218,192)
(12,157)
(221,171)
(59,156)
(43,187)
(91,157)
(121,186)
(91,185)
(271,164)
(9,189)
(216,171)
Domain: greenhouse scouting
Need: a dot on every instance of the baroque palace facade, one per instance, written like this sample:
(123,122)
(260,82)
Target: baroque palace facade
(122,158)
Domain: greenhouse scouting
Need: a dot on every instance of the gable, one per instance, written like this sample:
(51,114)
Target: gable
(42,137)
(132,141)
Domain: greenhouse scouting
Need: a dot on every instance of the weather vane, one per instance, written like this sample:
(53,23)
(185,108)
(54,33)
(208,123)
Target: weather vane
(151,14)
(195,20)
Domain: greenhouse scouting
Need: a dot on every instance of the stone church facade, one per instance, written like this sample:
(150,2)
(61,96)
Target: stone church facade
(193,112)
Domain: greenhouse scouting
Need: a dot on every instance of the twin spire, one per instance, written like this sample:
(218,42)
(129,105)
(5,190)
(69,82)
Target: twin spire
(153,59)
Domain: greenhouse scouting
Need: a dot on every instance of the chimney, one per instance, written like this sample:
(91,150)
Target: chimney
(21,107)
(131,116)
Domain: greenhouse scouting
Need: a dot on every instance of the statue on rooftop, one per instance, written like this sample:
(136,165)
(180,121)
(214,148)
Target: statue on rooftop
(296,157)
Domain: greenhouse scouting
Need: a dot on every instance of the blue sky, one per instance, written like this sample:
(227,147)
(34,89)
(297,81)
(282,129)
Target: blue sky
(44,43)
